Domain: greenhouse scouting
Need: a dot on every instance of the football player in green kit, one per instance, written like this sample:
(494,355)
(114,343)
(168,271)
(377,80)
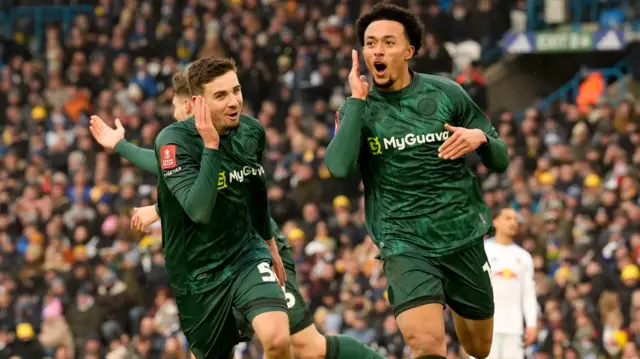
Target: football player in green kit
(408,134)
(307,342)
(215,221)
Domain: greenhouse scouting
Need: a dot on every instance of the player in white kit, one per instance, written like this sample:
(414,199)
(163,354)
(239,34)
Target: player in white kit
(514,289)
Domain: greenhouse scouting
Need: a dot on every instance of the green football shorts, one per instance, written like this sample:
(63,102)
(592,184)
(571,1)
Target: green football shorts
(299,315)
(460,280)
(207,319)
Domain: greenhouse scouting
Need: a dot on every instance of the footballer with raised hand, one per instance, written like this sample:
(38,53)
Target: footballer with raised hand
(307,342)
(215,223)
(408,134)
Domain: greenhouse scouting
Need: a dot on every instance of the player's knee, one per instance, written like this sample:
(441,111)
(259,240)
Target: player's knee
(308,347)
(479,346)
(425,343)
(276,344)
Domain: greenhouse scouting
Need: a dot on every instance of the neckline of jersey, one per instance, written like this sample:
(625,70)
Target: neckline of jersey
(403,91)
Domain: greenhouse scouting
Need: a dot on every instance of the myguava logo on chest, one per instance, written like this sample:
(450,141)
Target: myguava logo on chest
(227,178)
(377,145)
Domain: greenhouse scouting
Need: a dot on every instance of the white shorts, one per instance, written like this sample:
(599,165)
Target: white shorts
(507,346)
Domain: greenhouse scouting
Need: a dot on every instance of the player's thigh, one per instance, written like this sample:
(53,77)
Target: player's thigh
(299,314)
(417,298)
(467,285)
(257,291)
(207,322)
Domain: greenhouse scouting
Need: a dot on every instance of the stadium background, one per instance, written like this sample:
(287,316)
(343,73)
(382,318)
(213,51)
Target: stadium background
(556,77)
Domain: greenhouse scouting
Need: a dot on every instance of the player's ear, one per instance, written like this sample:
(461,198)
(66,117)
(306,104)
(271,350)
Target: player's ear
(410,52)
(188,106)
(193,99)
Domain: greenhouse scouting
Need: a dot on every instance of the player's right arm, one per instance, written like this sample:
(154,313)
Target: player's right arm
(342,153)
(142,158)
(193,184)
(113,139)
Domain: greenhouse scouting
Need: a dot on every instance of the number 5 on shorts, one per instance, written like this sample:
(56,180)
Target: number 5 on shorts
(269,276)
(266,272)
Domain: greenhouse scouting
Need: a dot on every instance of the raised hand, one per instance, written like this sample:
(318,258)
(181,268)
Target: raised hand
(204,124)
(460,142)
(357,82)
(106,136)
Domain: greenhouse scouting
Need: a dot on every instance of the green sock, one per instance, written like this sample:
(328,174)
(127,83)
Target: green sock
(431,357)
(346,347)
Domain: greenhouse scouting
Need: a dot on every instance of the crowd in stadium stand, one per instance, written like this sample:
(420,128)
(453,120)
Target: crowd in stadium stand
(76,282)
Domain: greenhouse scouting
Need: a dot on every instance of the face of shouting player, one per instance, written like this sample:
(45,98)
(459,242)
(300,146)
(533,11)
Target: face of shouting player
(224,98)
(386,53)
(507,223)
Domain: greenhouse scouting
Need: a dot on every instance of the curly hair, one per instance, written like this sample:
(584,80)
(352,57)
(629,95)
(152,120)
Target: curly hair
(413,28)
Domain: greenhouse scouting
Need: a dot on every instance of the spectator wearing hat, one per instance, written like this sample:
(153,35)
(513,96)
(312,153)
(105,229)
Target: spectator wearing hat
(55,331)
(26,344)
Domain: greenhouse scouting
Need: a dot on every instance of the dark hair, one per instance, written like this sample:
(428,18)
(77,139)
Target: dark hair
(500,210)
(180,86)
(413,28)
(206,70)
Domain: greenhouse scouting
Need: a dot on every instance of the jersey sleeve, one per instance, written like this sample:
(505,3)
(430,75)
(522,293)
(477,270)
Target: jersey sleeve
(529,300)
(193,184)
(142,158)
(494,153)
(343,151)
(259,207)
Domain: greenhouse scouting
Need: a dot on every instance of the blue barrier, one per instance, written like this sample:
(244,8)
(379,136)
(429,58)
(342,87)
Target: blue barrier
(569,91)
(40,15)
(580,11)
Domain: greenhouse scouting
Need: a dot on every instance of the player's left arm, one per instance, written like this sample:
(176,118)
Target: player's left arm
(529,300)
(472,131)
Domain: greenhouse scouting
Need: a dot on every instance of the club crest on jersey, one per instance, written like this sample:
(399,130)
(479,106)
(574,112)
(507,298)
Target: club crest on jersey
(168,158)
(427,107)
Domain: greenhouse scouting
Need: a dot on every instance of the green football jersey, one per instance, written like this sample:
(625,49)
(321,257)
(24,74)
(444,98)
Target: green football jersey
(214,220)
(416,202)
(146,159)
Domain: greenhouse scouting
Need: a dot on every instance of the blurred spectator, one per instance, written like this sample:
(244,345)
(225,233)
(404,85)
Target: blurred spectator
(475,84)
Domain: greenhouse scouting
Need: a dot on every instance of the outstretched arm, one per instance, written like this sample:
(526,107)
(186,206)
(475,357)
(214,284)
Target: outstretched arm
(142,158)
(113,139)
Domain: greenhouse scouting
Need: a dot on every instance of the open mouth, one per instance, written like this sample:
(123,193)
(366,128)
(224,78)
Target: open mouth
(380,68)
(234,115)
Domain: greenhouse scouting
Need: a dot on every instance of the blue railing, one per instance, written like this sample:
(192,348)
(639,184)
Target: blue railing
(40,16)
(580,11)
(569,91)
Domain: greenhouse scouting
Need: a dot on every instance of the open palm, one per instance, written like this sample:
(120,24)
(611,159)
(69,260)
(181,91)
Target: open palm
(106,136)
